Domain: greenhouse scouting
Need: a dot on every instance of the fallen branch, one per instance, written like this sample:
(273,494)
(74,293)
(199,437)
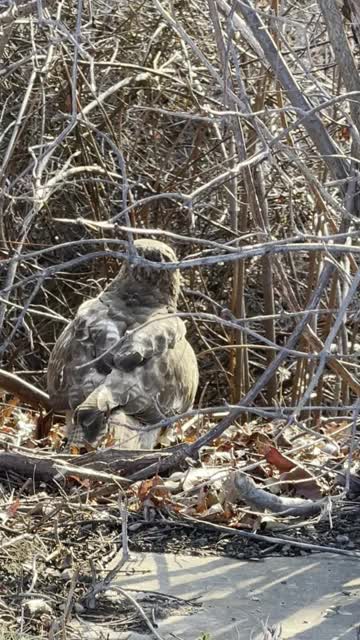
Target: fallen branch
(245,489)
(29,466)
(108,465)
(66,469)
(11,383)
(138,607)
(269,539)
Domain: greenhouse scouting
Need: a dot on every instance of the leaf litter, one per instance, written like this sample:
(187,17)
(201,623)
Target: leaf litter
(261,489)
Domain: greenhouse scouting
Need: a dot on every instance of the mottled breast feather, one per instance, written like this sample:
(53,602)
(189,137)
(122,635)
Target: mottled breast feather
(125,359)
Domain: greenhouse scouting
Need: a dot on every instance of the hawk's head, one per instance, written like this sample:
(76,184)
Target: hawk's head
(144,281)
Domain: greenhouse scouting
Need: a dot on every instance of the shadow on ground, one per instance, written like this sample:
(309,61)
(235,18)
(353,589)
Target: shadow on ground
(314,597)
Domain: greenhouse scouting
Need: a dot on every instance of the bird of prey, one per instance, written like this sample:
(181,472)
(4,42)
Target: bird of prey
(124,363)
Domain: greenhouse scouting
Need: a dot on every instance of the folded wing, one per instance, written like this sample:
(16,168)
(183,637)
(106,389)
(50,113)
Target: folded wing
(154,375)
(83,355)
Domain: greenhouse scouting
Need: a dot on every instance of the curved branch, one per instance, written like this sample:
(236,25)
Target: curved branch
(11,383)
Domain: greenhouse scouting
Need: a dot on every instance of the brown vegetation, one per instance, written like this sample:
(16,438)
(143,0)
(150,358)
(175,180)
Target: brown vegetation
(232,132)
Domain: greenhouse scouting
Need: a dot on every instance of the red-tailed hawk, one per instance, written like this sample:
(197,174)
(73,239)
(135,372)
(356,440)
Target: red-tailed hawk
(124,362)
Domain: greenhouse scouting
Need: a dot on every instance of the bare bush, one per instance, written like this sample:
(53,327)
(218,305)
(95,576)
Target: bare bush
(225,129)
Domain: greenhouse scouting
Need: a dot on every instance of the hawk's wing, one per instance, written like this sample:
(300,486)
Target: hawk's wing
(83,354)
(154,374)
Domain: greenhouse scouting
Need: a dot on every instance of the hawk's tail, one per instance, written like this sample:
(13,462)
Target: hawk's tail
(125,432)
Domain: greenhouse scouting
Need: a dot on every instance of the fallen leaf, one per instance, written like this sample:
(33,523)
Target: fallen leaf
(12,508)
(261,441)
(86,483)
(303,484)
(202,502)
(344,133)
(281,462)
(7,410)
(153,489)
(74,450)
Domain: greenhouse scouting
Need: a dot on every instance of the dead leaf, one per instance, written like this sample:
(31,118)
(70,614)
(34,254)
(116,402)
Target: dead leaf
(336,430)
(303,484)
(283,439)
(211,475)
(7,410)
(12,508)
(202,502)
(144,489)
(344,133)
(245,521)
(86,483)
(281,462)
(75,451)
(153,489)
(260,440)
